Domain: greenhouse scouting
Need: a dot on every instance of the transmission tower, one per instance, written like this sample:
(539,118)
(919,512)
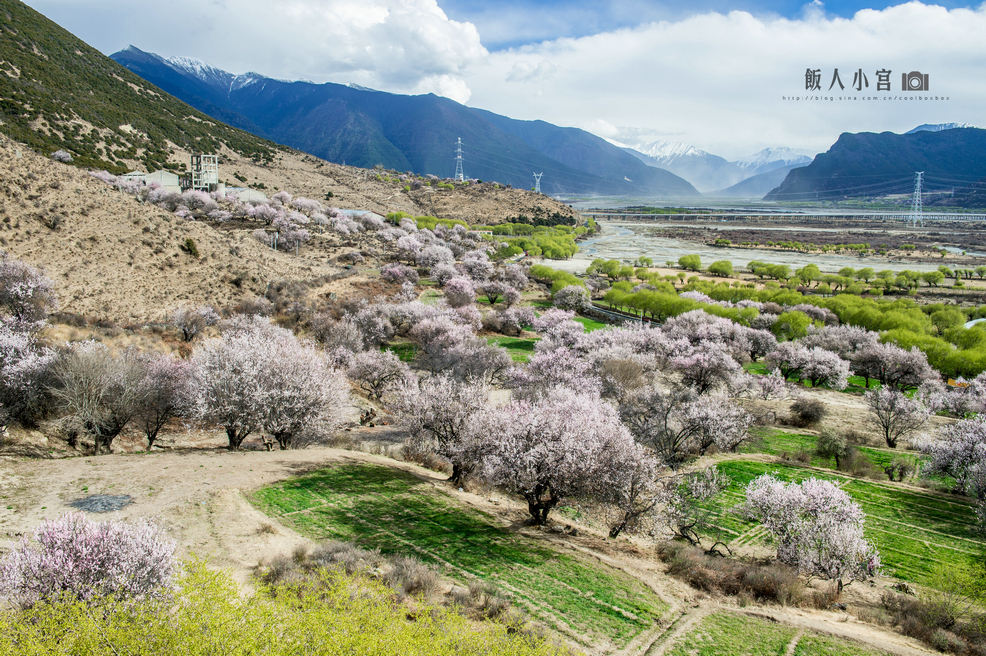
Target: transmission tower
(537,182)
(916,211)
(458,162)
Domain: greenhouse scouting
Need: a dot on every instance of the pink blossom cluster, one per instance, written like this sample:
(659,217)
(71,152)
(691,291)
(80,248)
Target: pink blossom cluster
(818,528)
(87,560)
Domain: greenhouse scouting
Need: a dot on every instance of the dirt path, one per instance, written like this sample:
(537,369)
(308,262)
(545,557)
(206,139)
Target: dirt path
(200,496)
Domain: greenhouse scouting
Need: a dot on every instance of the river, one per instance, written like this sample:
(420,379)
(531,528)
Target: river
(616,241)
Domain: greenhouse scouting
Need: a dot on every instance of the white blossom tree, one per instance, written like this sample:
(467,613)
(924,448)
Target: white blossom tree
(818,528)
(675,422)
(893,366)
(459,291)
(438,410)
(374,371)
(260,377)
(959,452)
(895,414)
(551,449)
(193,320)
(165,392)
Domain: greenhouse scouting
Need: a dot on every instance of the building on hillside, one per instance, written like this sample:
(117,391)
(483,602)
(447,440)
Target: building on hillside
(245,195)
(165,179)
(204,172)
(168,180)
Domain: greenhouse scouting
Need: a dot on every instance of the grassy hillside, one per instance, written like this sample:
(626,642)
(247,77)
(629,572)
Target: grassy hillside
(56,92)
(592,604)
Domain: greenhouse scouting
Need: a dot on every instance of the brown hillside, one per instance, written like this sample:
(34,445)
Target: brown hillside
(355,188)
(115,257)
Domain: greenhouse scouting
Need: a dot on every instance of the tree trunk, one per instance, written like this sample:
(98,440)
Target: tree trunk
(458,474)
(235,437)
(284,439)
(540,508)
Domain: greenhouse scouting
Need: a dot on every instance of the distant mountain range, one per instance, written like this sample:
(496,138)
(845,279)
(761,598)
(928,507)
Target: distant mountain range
(756,186)
(938,127)
(361,127)
(710,172)
(869,164)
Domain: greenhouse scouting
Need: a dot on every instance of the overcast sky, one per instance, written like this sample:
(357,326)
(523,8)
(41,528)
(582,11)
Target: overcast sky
(714,75)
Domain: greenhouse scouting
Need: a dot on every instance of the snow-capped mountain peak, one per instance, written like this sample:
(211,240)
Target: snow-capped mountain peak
(668,151)
(240,81)
(199,69)
(938,127)
(777,157)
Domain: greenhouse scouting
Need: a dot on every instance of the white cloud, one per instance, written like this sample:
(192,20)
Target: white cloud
(716,80)
(397,45)
(525,71)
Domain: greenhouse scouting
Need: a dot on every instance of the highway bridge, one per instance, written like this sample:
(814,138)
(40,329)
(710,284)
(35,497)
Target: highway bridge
(735,215)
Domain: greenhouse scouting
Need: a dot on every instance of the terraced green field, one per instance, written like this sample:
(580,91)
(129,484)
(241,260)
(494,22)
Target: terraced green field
(913,530)
(379,507)
(519,349)
(776,442)
(744,635)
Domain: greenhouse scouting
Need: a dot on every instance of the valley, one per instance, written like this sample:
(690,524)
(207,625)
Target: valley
(339,400)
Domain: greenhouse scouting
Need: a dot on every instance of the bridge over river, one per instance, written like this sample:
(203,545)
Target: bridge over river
(736,215)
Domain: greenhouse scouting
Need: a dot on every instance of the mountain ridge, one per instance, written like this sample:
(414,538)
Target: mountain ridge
(868,164)
(59,93)
(364,127)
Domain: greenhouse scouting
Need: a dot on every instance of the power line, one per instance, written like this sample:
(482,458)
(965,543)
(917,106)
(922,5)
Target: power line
(537,182)
(458,162)
(916,203)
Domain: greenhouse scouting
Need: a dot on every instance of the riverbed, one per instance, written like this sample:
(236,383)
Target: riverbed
(619,241)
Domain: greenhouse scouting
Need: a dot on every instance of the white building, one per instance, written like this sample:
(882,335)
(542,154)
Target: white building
(245,195)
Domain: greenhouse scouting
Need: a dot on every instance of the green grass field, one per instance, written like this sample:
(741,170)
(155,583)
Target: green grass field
(379,507)
(404,350)
(520,349)
(913,530)
(590,324)
(745,635)
(775,442)
(857,384)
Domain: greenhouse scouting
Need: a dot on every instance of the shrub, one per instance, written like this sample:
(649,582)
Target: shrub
(399,273)
(87,560)
(717,575)
(190,247)
(328,612)
(572,298)
(898,469)
(411,577)
(807,412)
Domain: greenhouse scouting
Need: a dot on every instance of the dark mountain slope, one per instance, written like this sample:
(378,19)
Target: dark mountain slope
(363,127)
(868,164)
(56,92)
(756,186)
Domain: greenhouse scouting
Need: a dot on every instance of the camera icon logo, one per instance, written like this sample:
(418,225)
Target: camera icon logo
(914,81)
